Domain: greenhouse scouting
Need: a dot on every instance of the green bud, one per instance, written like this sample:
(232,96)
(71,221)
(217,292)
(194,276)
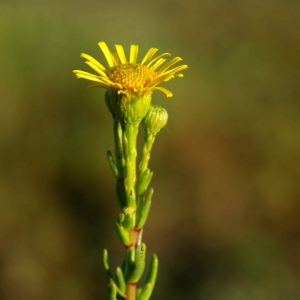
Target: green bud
(130,108)
(155,119)
(129,213)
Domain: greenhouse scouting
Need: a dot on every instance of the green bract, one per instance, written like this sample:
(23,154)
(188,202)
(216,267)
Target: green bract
(130,108)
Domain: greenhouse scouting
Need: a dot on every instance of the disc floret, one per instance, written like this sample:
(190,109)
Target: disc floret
(134,78)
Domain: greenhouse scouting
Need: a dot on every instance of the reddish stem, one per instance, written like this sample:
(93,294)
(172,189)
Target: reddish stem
(131,291)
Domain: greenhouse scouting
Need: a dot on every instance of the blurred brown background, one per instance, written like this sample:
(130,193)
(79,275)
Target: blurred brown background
(225,221)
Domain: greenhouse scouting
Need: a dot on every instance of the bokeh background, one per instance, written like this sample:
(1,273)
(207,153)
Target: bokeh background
(225,220)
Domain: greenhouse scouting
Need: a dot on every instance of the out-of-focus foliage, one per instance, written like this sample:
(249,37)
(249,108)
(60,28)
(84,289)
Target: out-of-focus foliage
(226,213)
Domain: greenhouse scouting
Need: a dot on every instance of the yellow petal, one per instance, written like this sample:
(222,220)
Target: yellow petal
(134,49)
(78,75)
(160,79)
(156,58)
(175,70)
(114,53)
(148,55)
(167,92)
(96,68)
(121,54)
(158,63)
(84,73)
(93,60)
(99,85)
(109,57)
(105,80)
(169,64)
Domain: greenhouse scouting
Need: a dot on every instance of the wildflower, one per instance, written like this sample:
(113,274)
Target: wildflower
(128,77)
(155,120)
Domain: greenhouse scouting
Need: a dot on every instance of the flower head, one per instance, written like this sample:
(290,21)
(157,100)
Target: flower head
(129,77)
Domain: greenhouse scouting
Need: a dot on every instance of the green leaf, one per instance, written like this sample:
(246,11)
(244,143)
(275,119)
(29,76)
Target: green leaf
(150,281)
(129,262)
(112,292)
(112,165)
(139,264)
(120,279)
(145,210)
(121,201)
(152,274)
(146,292)
(138,292)
(122,233)
(144,182)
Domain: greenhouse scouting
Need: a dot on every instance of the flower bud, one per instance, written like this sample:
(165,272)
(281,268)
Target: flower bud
(155,119)
(130,108)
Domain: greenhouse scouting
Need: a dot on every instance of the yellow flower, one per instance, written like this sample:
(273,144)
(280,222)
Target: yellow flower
(129,77)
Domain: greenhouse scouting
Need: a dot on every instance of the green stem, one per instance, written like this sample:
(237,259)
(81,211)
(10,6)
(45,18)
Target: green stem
(120,162)
(148,143)
(130,153)
(118,135)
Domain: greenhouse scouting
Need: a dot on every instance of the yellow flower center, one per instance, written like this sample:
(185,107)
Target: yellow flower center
(132,76)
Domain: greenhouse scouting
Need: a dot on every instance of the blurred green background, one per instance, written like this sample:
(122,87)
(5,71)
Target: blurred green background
(225,221)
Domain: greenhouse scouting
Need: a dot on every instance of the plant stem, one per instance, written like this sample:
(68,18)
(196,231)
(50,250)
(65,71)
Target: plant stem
(118,136)
(148,143)
(131,291)
(130,152)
